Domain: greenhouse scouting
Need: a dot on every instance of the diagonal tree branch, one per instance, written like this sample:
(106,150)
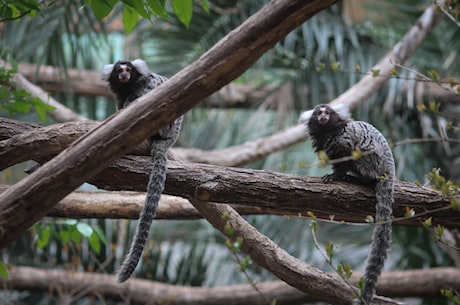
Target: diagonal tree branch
(269,255)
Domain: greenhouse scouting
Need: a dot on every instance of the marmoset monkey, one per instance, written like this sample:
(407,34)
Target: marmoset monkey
(333,132)
(128,81)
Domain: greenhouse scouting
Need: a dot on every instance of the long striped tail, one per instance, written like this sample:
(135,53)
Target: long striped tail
(381,238)
(155,187)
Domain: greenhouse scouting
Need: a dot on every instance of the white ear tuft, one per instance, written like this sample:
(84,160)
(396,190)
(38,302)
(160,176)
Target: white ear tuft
(305,116)
(342,110)
(106,71)
(141,66)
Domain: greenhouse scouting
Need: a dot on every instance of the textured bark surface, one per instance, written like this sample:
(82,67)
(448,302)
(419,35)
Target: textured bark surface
(249,192)
(296,193)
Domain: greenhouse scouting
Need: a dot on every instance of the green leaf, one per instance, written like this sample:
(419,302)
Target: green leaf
(138,7)
(95,242)
(130,18)
(229,230)
(64,236)
(205,5)
(75,235)
(3,271)
(101,235)
(21,106)
(183,10)
(329,250)
(102,8)
(85,229)
(44,235)
(158,8)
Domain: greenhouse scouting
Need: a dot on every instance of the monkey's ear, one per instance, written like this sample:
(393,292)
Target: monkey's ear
(106,71)
(342,110)
(141,66)
(305,116)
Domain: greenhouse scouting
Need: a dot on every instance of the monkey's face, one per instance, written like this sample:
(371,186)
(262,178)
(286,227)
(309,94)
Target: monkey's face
(123,73)
(322,114)
(324,119)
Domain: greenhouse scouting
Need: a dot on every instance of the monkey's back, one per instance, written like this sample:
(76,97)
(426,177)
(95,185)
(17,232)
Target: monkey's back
(376,159)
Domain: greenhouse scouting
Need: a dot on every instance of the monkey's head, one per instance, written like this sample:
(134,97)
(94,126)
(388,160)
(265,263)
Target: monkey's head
(324,118)
(124,72)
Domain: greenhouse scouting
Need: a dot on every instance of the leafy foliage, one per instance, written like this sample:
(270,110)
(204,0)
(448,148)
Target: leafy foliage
(146,9)
(69,231)
(16,100)
(11,10)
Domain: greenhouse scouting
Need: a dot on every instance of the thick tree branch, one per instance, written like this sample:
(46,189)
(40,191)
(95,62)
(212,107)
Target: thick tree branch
(342,207)
(276,192)
(31,198)
(131,173)
(269,255)
(20,141)
(147,292)
(409,283)
(86,82)
(300,194)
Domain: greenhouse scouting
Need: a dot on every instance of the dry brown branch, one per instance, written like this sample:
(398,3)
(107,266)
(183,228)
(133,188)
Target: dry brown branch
(23,141)
(340,201)
(269,255)
(131,173)
(402,51)
(146,292)
(266,189)
(408,283)
(20,141)
(86,82)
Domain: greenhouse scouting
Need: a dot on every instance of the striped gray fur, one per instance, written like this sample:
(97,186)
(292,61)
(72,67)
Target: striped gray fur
(338,136)
(141,81)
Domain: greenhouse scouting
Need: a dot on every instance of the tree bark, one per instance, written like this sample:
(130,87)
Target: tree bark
(409,283)
(89,83)
(31,198)
(300,194)
(249,192)
(20,141)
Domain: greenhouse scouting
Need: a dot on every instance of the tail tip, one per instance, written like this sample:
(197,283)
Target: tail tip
(121,277)
(123,274)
